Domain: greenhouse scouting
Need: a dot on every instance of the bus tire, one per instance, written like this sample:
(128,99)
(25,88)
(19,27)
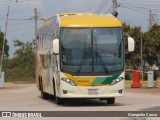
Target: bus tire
(110,100)
(43,94)
(58,100)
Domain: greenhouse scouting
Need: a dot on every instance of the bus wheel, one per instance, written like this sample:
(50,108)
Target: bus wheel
(58,100)
(110,100)
(43,94)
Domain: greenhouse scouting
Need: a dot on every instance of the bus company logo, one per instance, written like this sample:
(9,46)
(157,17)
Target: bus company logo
(83,81)
(6,114)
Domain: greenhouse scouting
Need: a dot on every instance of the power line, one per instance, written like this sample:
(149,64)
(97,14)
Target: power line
(6,0)
(134,7)
(16,19)
(102,2)
(142,1)
(16,1)
(130,19)
(92,8)
(137,6)
(134,20)
(139,10)
(21,29)
(102,7)
(79,9)
(84,7)
(109,10)
(22,23)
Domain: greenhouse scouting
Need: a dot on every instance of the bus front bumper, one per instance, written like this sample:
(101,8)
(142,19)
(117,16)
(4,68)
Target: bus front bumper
(106,91)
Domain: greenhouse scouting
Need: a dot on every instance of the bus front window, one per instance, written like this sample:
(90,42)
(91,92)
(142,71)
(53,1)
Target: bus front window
(108,49)
(96,50)
(76,49)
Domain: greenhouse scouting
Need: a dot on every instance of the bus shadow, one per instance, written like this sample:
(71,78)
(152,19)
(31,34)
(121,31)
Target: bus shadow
(83,102)
(88,102)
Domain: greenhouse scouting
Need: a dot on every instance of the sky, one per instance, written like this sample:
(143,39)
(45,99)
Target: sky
(133,12)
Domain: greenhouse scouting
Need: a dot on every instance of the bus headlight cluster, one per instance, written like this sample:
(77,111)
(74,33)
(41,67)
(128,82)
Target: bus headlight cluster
(115,81)
(71,82)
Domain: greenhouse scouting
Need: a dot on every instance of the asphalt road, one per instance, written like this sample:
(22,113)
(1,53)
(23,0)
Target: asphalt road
(26,97)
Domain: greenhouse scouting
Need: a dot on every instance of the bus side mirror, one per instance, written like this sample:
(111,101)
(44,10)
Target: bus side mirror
(131,44)
(55,46)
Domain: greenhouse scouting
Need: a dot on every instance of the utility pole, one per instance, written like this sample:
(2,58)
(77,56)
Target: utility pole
(35,17)
(141,57)
(152,19)
(4,43)
(115,8)
(36,20)
(35,40)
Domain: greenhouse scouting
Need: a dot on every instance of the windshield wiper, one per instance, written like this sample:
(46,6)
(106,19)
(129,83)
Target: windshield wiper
(120,49)
(103,64)
(82,62)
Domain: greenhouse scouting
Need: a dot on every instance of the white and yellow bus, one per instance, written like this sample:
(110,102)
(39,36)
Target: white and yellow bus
(81,55)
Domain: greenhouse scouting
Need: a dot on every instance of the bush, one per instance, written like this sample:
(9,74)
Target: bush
(145,76)
(156,74)
(128,75)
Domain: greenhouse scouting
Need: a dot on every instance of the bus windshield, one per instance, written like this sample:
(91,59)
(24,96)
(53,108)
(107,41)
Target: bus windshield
(91,50)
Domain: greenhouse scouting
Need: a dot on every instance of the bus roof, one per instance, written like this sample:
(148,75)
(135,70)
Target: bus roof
(88,20)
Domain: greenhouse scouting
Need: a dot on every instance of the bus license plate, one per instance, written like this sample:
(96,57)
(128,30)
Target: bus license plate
(93,91)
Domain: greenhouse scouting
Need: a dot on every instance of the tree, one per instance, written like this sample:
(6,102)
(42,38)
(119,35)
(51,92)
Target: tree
(6,48)
(25,57)
(133,58)
(152,45)
(23,65)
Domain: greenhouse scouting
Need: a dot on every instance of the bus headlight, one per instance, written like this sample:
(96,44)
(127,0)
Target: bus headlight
(71,82)
(115,81)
